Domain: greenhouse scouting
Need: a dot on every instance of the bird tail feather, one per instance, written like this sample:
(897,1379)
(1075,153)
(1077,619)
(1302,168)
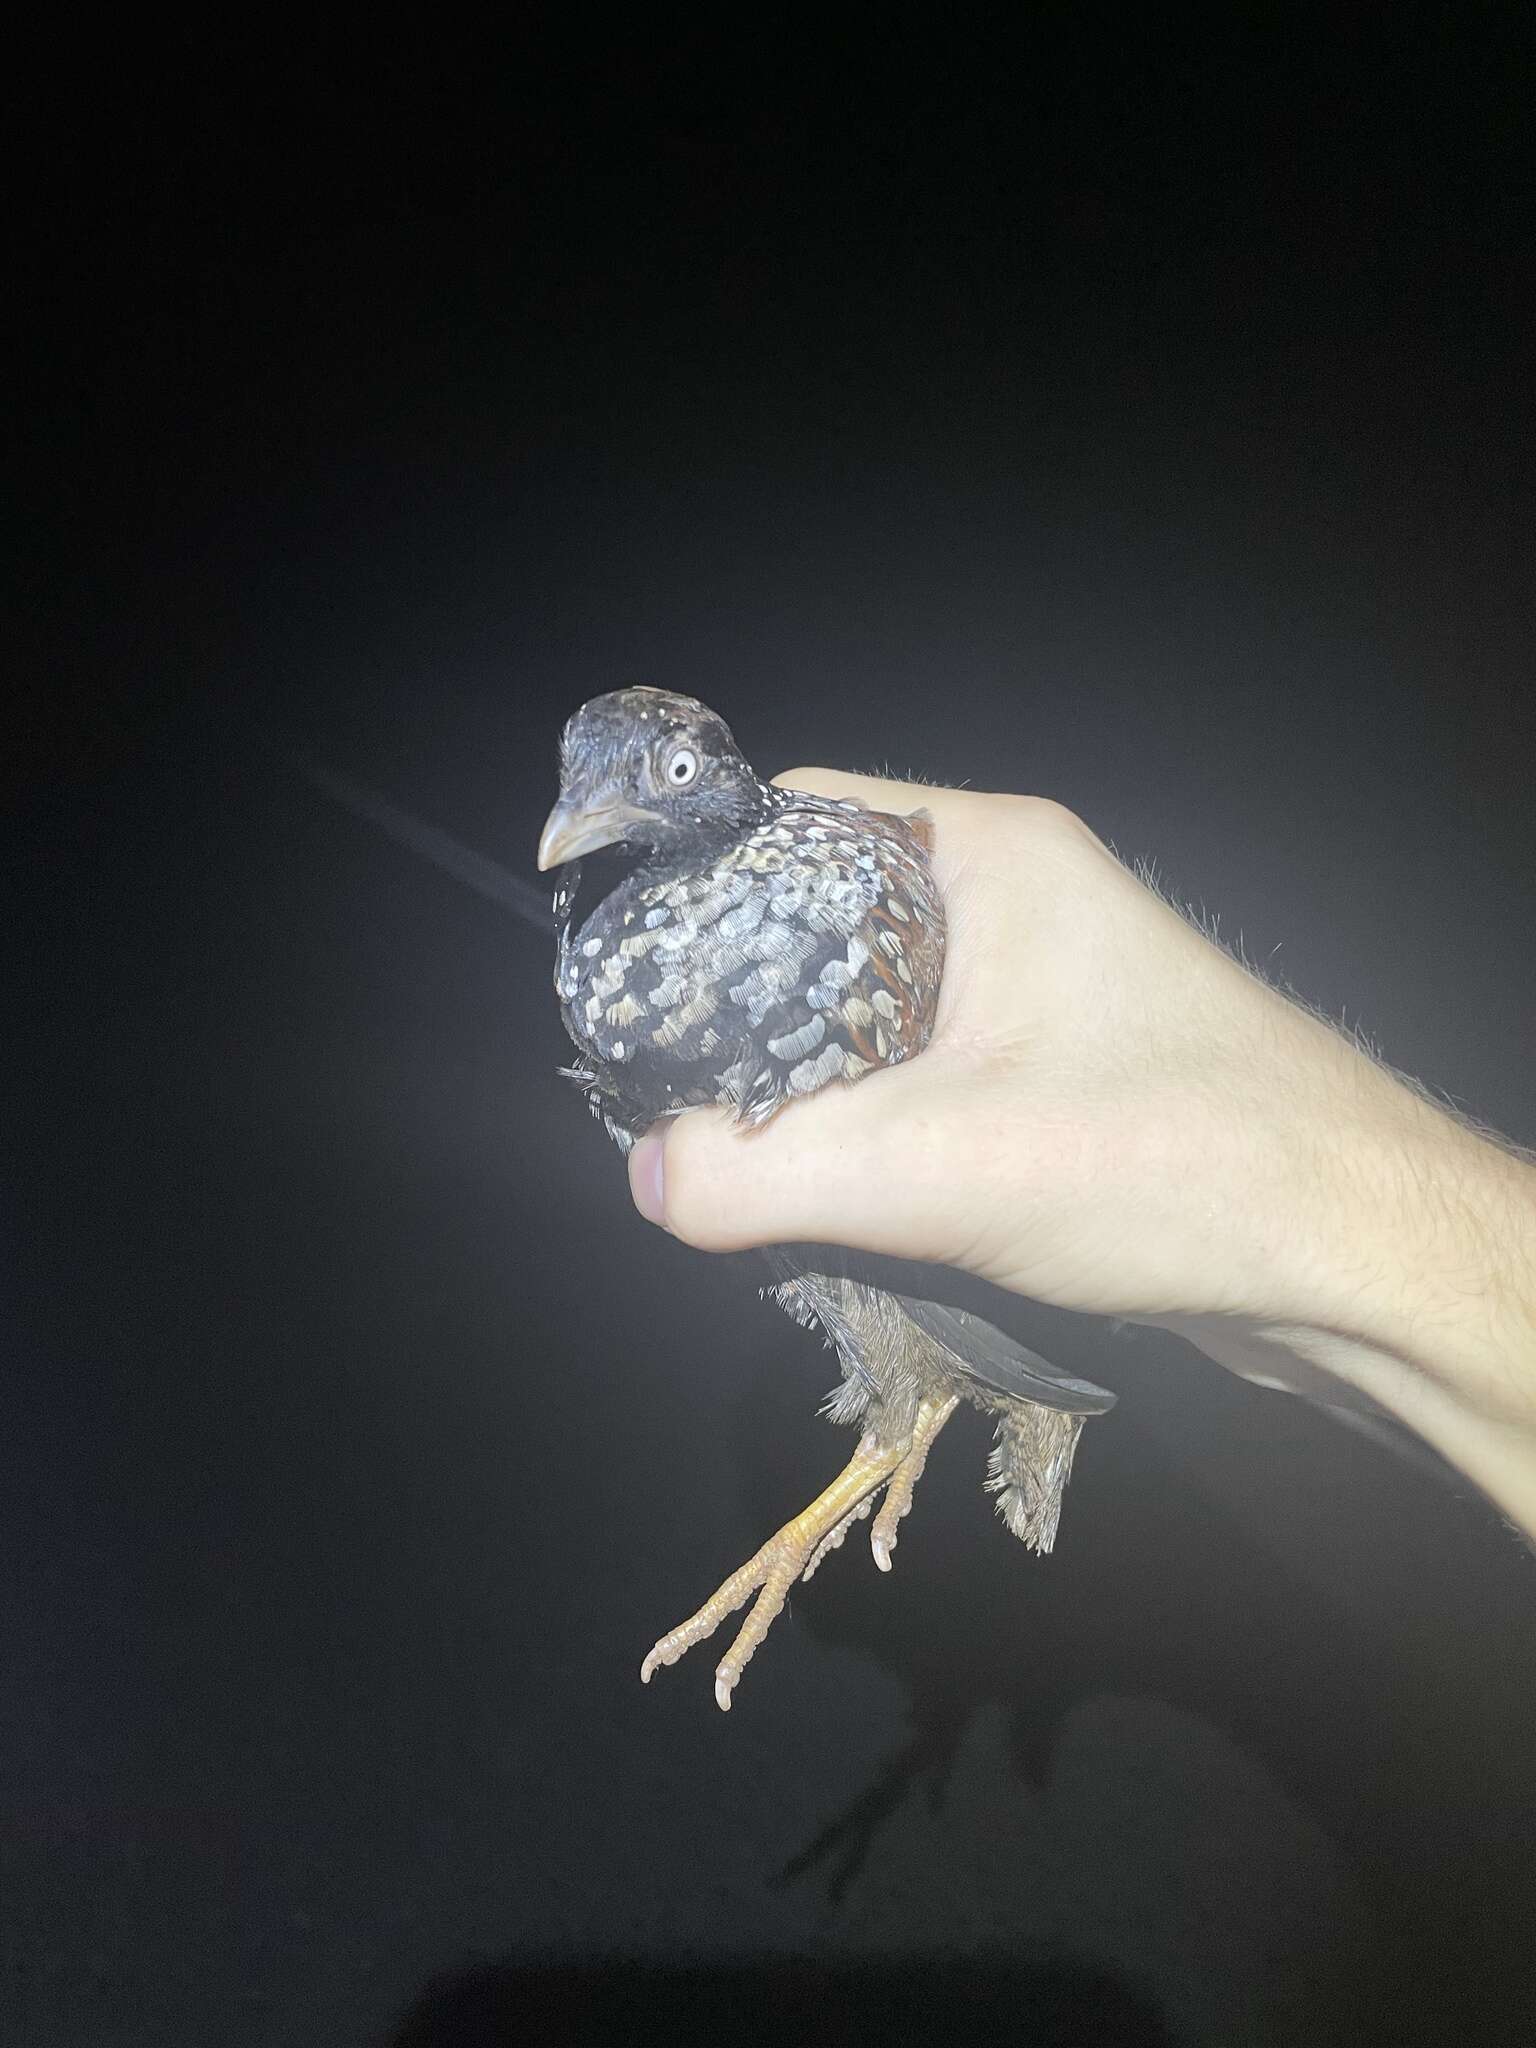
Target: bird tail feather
(1028,1468)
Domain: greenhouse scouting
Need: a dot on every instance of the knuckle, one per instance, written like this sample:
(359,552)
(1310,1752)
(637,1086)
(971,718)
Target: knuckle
(1048,816)
(1054,829)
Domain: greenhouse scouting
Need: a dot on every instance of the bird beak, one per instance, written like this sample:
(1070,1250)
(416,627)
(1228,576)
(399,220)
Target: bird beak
(573,829)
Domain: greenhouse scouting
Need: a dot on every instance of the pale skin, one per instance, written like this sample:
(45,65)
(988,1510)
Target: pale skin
(1115,1116)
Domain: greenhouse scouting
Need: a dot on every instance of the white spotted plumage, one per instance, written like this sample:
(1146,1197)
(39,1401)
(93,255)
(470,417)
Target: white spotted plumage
(781,946)
(763,945)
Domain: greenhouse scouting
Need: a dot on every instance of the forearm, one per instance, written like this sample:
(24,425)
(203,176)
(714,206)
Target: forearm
(1117,1117)
(1423,1293)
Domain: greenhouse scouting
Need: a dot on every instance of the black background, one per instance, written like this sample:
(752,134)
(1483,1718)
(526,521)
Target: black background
(1145,425)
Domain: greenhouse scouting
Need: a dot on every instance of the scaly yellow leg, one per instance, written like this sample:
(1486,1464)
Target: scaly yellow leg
(931,1418)
(800,1545)
(898,1493)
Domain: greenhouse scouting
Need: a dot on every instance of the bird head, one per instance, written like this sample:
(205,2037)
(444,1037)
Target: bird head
(648,769)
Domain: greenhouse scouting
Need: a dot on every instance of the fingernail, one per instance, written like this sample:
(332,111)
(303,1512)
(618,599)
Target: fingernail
(645,1183)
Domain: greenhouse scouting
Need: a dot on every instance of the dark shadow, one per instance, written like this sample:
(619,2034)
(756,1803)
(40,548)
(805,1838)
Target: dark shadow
(845,1844)
(1052,2005)
(1297,1654)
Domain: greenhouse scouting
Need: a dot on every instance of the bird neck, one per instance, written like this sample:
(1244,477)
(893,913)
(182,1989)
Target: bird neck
(706,837)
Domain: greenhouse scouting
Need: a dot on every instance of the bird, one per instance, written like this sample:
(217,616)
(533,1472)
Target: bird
(756,945)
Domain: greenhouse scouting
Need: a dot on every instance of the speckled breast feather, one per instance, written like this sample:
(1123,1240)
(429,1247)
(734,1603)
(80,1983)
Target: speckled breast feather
(809,952)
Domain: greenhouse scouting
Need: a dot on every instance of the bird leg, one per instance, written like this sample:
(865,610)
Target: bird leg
(898,1492)
(801,1544)
(931,1418)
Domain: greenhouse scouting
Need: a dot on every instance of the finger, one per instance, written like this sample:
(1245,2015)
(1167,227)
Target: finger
(846,1167)
(875,791)
(841,782)
(966,820)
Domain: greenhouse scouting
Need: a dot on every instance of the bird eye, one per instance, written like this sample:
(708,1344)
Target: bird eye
(682,768)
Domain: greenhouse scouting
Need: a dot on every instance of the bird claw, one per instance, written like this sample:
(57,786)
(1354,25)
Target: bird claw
(799,1547)
(769,1575)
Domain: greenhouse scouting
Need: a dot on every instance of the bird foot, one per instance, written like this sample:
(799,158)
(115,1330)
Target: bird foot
(897,1504)
(799,1547)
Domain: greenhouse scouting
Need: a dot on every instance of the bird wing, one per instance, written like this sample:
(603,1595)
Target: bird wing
(824,1286)
(986,1354)
(809,953)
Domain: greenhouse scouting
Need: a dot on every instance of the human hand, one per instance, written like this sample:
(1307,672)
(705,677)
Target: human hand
(1114,1115)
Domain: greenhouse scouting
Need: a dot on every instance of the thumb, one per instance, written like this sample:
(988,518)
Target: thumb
(830,1169)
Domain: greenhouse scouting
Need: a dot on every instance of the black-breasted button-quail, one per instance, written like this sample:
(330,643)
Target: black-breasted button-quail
(764,944)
